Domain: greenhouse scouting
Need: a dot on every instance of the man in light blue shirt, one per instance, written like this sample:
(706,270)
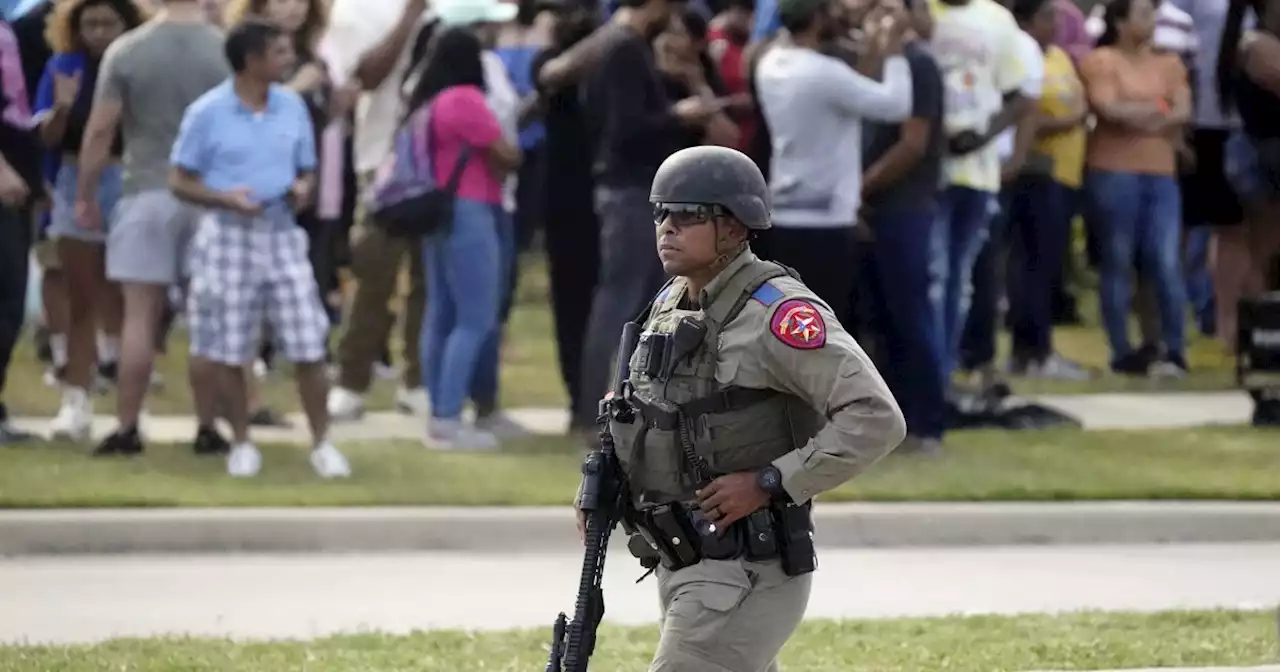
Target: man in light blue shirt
(246,152)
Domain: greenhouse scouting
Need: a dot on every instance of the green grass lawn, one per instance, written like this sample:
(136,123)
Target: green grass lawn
(1082,641)
(530,374)
(1223,463)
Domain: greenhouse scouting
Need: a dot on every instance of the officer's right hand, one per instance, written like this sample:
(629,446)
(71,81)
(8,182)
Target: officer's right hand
(582,524)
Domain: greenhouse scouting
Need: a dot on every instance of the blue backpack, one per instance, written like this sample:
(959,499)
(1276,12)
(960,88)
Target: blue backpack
(404,198)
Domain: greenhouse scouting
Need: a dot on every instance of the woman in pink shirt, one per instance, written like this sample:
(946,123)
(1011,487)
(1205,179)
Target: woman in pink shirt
(462,263)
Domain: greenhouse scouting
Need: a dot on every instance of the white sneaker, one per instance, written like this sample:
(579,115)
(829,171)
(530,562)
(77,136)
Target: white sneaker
(413,402)
(329,462)
(345,405)
(454,435)
(75,417)
(501,426)
(244,461)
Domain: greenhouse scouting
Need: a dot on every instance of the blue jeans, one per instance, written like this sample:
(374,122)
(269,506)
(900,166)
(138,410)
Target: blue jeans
(1199,280)
(1142,214)
(484,387)
(901,288)
(464,280)
(964,221)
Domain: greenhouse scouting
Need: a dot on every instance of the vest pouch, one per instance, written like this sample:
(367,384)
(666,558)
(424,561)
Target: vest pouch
(748,438)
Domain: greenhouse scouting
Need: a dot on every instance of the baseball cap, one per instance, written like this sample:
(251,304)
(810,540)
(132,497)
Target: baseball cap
(792,10)
(468,12)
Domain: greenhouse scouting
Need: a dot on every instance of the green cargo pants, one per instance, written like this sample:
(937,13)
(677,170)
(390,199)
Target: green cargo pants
(376,260)
(728,616)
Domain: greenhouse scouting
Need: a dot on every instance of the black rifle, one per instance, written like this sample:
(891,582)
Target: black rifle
(603,502)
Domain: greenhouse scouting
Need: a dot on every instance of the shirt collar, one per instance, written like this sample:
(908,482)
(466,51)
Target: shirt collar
(713,289)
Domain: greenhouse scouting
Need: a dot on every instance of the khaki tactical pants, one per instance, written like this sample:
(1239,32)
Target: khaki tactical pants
(727,616)
(376,260)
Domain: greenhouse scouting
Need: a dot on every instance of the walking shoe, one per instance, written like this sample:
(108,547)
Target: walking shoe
(915,446)
(54,375)
(1266,413)
(12,436)
(1172,365)
(413,401)
(124,442)
(210,442)
(454,435)
(244,461)
(329,462)
(500,425)
(268,417)
(1131,364)
(345,405)
(74,420)
(108,375)
(1057,367)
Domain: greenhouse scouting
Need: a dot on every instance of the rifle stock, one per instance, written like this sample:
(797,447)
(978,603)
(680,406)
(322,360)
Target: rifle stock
(602,500)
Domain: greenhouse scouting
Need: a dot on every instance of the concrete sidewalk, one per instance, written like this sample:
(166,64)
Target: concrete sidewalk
(1096,411)
(538,529)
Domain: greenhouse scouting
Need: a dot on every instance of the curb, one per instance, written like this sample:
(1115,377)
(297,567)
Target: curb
(505,530)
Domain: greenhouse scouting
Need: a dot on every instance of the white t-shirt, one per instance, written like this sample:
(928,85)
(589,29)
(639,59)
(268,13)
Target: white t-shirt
(504,102)
(1032,86)
(355,27)
(979,52)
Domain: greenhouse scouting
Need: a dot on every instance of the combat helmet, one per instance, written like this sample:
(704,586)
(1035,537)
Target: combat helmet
(710,175)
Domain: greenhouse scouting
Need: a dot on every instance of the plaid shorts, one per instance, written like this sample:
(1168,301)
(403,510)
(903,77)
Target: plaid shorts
(245,270)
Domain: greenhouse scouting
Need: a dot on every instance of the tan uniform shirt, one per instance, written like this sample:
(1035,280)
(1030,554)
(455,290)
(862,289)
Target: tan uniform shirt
(788,340)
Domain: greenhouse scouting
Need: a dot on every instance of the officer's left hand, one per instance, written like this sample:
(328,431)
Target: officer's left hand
(731,498)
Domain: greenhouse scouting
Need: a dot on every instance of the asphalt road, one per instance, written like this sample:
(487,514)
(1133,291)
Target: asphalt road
(89,598)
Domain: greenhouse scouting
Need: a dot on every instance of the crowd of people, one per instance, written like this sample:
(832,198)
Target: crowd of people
(928,164)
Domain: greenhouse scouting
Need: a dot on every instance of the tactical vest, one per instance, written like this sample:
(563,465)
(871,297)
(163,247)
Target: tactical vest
(730,428)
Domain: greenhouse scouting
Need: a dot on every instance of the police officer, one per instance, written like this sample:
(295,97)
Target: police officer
(750,399)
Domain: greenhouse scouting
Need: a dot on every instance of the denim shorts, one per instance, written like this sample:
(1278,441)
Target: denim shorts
(1245,172)
(62,218)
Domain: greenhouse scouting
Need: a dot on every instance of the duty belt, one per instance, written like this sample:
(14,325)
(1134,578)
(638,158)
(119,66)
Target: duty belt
(678,536)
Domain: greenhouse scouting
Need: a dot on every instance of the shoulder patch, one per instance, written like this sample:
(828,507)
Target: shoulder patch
(798,324)
(767,294)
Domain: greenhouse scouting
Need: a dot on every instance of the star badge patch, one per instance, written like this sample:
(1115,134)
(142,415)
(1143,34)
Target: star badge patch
(797,324)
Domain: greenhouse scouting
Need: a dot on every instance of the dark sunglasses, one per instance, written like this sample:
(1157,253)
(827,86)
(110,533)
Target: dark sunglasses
(686,214)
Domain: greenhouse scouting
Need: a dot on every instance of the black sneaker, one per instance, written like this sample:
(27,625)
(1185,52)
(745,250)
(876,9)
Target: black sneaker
(210,442)
(267,417)
(122,442)
(1266,413)
(109,372)
(1133,364)
(1149,353)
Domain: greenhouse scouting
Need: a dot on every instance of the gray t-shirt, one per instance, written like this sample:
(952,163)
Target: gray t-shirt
(917,189)
(155,71)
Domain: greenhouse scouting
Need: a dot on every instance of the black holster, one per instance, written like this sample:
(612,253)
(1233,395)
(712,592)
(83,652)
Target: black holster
(679,536)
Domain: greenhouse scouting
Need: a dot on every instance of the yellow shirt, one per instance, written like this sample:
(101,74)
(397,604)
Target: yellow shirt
(976,47)
(1063,94)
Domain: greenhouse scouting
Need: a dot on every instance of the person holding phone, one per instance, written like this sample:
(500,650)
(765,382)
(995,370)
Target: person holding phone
(687,70)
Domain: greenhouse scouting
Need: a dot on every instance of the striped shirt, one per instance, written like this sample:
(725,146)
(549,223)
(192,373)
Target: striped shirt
(1174,33)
